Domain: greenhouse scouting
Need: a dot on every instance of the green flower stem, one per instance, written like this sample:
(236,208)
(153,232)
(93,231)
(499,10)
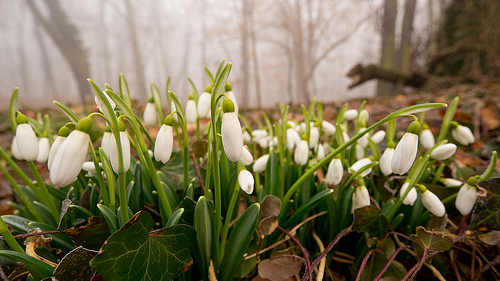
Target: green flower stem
(126,98)
(329,157)
(21,195)
(447,119)
(155,92)
(181,116)
(145,131)
(439,172)
(111,178)
(7,236)
(46,197)
(491,167)
(19,172)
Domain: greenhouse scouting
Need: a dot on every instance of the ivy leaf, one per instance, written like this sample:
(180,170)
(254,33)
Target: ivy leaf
(432,241)
(90,236)
(487,212)
(369,219)
(135,252)
(174,172)
(75,265)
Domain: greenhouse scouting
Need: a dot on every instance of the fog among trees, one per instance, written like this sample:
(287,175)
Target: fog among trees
(286,51)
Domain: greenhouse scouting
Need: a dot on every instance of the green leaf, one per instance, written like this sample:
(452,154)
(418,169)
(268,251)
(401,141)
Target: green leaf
(176,216)
(487,212)
(136,253)
(75,265)
(38,269)
(432,240)
(13,109)
(110,217)
(273,175)
(174,172)
(447,118)
(369,219)
(90,236)
(204,225)
(71,115)
(81,210)
(209,74)
(307,207)
(238,242)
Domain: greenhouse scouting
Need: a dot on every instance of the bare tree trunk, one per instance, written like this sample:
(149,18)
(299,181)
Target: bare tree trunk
(66,37)
(244,53)
(406,33)
(255,56)
(388,40)
(105,63)
(136,53)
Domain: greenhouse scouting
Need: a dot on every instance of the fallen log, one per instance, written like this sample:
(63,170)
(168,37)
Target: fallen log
(360,74)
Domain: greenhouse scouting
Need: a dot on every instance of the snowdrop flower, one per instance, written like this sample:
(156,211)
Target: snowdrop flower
(335,172)
(113,149)
(232,137)
(462,134)
(164,141)
(247,138)
(443,151)
(27,143)
(378,137)
(292,138)
(301,154)
(466,197)
(149,115)
(71,154)
(246,181)
(363,141)
(411,196)
(320,152)
(350,114)
(246,157)
(43,149)
(258,134)
(264,142)
(406,150)
(260,164)
(386,160)
(191,113)
(360,151)
(328,128)
(90,168)
(360,164)
(431,202)
(363,117)
(204,102)
(15,150)
(313,137)
(232,97)
(427,138)
(100,104)
(360,198)
(106,141)
(450,182)
(61,137)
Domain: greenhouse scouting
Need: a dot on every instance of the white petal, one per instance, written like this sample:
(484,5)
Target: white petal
(113,153)
(386,160)
(328,128)
(69,158)
(302,153)
(463,135)
(335,172)
(404,154)
(106,142)
(246,157)
(149,115)
(292,139)
(360,198)
(43,150)
(89,167)
(427,139)
(449,182)
(360,151)
(15,150)
(313,137)
(163,144)
(378,137)
(258,134)
(320,153)
(432,203)
(53,149)
(444,151)
(360,164)
(27,143)
(191,113)
(363,141)
(246,181)
(260,164)
(411,197)
(172,109)
(232,137)
(350,114)
(204,104)
(466,199)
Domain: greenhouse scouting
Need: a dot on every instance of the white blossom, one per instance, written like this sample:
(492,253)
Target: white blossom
(15,150)
(386,161)
(149,115)
(427,139)
(328,128)
(335,172)
(360,198)
(260,164)
(301,154)
(463,135)
(191,113)
(358,165)
(443,151)
(450,182)
(411,197)
(378,137)
(466,198)
(246,181)
(432,203)
(27,143)
(113,152)
(350,114)
(292,139)
(43,150)
(204,104)
(405,154)
(313,137)
(232,136)
(164,141)
(246,157)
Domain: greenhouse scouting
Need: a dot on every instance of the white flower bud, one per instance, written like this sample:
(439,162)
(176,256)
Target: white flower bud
(360,151)
(204,104)
(292,139)
(432,203)
(313,137)
(363,141)
(466,198)
(412,195)
(15,150)
(69,158)
(232,97)
(463,135)
(27,143)
(247,138)
(246,157)
(191,114)
(106,142)
(301,154)
(113,152)
(258,134)
(363,116)
(232,137)
(405,154)
(246,181)
(90,168)
(358,165)
(53,150)
(149,115)
(335,172)
(260,164)
(449,182)
(350,114)
(444,151)
(164,143)
(360,198)
(386,160)
(328,128)
(43,150)
(378,137)
(427,139)
(320,152)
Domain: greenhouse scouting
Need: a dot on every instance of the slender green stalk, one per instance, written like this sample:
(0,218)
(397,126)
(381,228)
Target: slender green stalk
(185,142)
(100,179)
(19,172)
(46,197)
(7,236)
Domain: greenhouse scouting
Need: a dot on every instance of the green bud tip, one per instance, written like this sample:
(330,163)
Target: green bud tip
(228,87)
(303,137)
(208,88)
(425,126)
(454,124)
(84,125)
(228,106)
(472,181)
(107,129)
(63,131)
(414,128)
(169,120)
(151,100)
(421,188)
(191,96)
(288,126)
(45,135)
(121,126)
(391,144)
(21,118)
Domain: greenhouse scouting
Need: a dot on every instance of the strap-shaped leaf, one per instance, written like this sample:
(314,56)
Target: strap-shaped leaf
(307,207)
(110,217)
(38,269)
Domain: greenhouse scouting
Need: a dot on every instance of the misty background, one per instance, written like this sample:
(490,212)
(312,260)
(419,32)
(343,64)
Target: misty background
(285,51)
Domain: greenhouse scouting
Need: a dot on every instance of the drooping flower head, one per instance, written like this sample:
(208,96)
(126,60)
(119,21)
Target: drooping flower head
(246,157)
(431,202)
(406,150)
(100,104)
(427,138)
(43,149)
(260,164)
(70,155)
(443,151)
(232,136)
(386,159)
(149,115)
(412,195)
(246,181)
(61,137)
(360,197)
(462,134)
(204,102)
(125,147)
(106,140)
(164,141)
(335,172)
(191,110)
(229,93)
(466,197)
(358,165)
(301,154)
(27,143)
